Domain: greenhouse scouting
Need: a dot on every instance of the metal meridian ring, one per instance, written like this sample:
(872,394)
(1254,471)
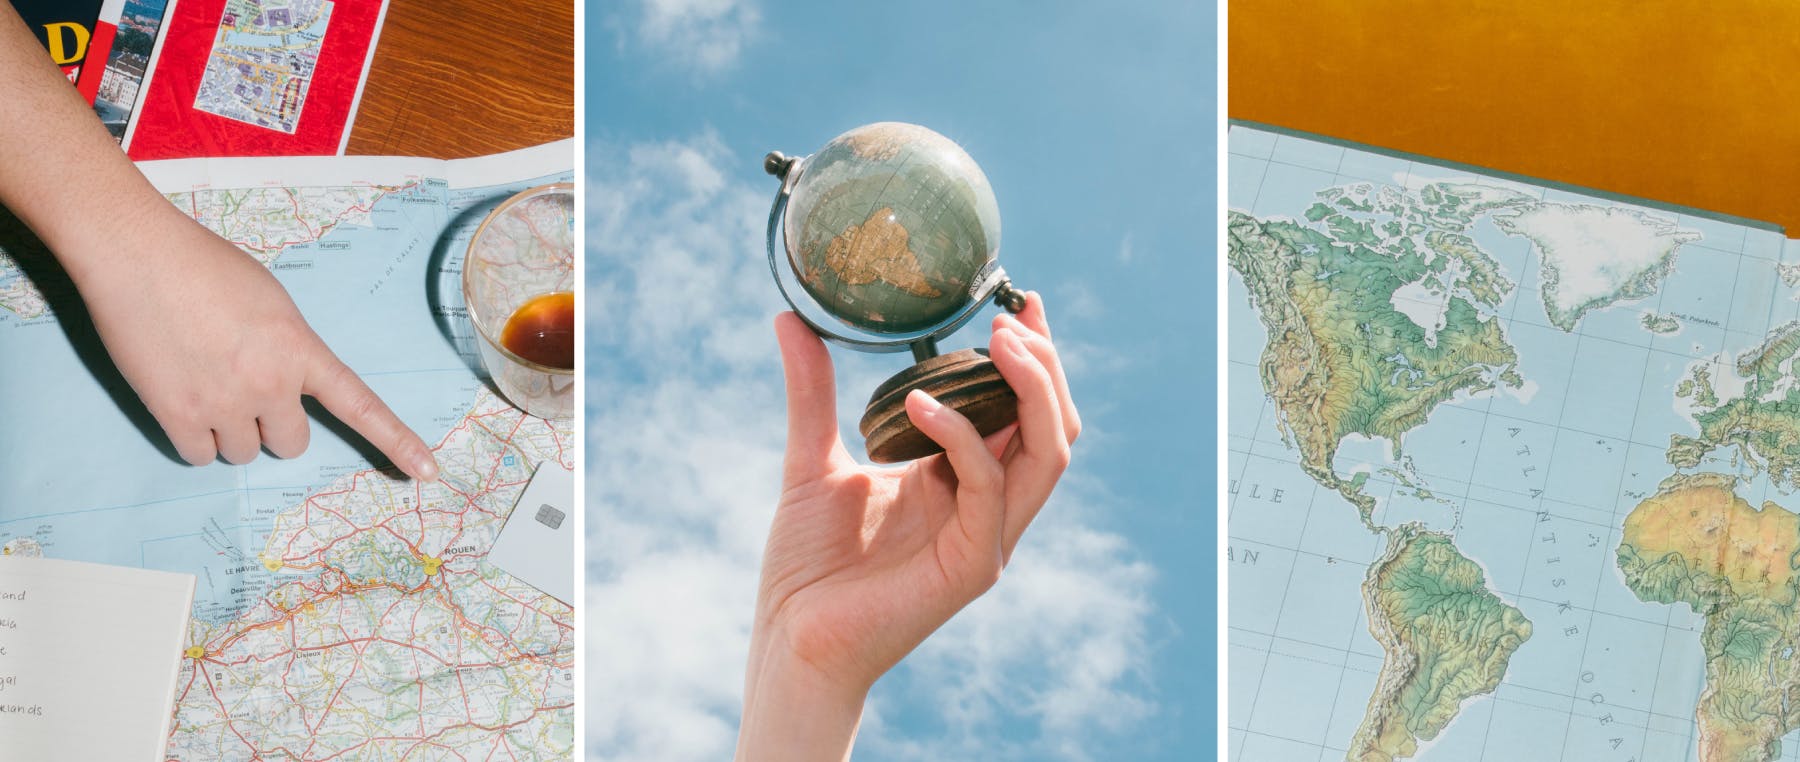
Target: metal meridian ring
(900,342)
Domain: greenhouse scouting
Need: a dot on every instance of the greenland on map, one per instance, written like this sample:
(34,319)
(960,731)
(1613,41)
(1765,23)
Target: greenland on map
(262,61)
(1514,469)
(340,611)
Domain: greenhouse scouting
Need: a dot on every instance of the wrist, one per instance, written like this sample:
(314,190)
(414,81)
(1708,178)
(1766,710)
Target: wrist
(92,252)
(793,709)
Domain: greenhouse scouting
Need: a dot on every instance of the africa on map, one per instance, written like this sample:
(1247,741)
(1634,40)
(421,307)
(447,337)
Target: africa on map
(341,612)
(1514,469)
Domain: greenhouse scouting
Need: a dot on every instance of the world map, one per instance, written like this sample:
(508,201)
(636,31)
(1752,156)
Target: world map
(341,612)
(1512,467)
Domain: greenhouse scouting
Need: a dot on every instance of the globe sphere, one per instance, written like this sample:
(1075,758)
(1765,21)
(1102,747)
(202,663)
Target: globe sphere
(892,228)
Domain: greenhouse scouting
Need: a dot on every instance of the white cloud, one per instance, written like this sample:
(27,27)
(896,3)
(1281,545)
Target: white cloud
(1059,645)
(686,427)
(705,36)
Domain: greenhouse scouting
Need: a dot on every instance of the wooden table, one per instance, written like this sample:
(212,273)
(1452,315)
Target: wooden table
(1689,103)
(458,78)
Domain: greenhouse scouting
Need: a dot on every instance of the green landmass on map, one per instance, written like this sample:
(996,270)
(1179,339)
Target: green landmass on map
(1410,486)
(1445,635)
(1698,387)
(1763,424)
(1763,365)
(1659,323)
(1697,542)
(1340,358)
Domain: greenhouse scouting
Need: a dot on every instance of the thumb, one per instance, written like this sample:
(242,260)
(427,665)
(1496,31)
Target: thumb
(811,400)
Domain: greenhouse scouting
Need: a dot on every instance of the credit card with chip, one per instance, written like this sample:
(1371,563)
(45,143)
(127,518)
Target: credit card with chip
(537,545)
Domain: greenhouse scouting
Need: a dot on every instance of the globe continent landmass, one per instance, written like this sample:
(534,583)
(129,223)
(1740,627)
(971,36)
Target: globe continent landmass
(889,227)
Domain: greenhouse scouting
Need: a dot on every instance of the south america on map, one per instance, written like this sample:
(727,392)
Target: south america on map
(1512,467)
(341,611)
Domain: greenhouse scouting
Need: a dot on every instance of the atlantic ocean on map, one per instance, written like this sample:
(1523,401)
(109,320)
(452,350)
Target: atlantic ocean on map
(1512,468)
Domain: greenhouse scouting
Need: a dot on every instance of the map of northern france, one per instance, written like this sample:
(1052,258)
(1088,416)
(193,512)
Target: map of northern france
(382,632)
(1512,468)
(340,612)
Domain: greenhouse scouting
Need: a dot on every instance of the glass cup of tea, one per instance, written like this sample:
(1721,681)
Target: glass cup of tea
(518,284)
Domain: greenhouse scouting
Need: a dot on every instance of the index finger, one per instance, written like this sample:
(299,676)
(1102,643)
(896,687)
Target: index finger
(342,392)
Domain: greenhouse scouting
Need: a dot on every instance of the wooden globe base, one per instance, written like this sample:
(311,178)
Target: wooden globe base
(966,380)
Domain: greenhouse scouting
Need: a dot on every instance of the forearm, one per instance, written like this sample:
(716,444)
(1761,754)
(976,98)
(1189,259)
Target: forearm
(60,171)
(791,710)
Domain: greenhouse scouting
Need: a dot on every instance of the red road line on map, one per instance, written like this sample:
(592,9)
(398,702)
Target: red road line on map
(300,216)
(345,587)
(489,728)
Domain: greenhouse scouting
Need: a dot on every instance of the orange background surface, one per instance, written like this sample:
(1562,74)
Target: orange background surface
(1695,104)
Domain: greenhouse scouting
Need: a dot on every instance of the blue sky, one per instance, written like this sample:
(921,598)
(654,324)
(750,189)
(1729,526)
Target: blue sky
(1094,123)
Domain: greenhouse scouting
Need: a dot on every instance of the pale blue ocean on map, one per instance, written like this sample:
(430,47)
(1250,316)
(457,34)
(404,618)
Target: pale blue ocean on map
(1534,483)
(369,299)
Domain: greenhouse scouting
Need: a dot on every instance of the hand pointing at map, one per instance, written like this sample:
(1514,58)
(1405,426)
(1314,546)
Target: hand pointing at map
(224,369)
(204,334)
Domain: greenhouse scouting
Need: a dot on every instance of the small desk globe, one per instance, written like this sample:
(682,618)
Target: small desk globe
(892,230)
(890,225)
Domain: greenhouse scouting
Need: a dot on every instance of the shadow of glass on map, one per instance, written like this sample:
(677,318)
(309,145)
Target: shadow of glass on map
(39,267)
(443,288)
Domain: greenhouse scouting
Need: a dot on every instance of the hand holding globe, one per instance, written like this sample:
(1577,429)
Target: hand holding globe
(892,230)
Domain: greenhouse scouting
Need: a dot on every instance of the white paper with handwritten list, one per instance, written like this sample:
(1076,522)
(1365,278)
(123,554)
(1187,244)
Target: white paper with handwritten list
(89,656)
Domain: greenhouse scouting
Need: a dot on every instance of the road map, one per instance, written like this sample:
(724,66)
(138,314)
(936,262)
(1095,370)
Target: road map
(262,61)
(340,612)
(1513,470)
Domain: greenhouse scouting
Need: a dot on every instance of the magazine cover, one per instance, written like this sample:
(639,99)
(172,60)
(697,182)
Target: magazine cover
(113,75)
(66,28)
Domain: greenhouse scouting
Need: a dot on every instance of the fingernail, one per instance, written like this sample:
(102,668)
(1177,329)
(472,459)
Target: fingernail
(426,467)
(932,406)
